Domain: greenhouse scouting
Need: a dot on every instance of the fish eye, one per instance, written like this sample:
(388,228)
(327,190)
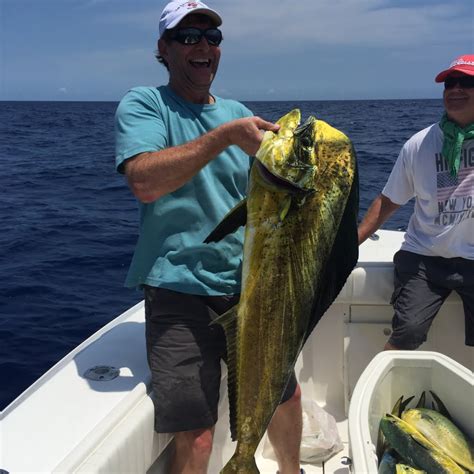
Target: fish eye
(306,141)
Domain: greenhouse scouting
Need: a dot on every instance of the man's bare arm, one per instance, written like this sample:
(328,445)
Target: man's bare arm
(379,211)
(154,174)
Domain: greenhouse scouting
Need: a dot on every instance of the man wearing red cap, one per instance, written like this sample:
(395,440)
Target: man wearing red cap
(436,167)
(185,153)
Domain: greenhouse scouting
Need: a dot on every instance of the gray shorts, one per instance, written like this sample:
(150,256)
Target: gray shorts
(184,354)
(421,285)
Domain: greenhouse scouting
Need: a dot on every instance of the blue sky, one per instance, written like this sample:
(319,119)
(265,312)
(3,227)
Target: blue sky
(272,49)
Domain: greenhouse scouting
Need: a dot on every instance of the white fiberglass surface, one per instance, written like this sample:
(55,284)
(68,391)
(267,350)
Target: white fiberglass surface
(62,408)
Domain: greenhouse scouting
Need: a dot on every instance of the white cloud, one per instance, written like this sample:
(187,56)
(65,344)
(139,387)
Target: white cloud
(280,24)
(270,25)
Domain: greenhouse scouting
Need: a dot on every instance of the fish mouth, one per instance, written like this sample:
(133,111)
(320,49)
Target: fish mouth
(303,128)
(278,181)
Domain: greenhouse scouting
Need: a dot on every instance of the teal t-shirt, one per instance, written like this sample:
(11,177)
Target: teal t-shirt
(170,252)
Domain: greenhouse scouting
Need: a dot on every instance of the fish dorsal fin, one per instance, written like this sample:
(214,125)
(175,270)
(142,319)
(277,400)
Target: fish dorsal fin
(396,410)
(228,321)
(440,406)
(342,259)
(422,400)
(421,440)
(235,218)
(404,404)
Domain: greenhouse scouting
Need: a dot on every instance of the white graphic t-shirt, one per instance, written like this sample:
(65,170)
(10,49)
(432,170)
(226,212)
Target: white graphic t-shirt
(443,220)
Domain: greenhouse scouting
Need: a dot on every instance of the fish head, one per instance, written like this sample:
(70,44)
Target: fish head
(287,159)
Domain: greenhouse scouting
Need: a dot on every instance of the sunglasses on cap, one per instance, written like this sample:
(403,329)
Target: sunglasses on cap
(465,82)
(191,35)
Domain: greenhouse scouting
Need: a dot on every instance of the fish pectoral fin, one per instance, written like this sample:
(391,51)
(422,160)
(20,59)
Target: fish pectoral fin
(235,218)
(228,321)
(285,207)
(421,440)
(428,417)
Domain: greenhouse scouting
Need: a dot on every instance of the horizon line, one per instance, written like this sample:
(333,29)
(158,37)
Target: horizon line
(228,98)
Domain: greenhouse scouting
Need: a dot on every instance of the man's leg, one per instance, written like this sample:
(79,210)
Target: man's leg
(192,451)
(420,290)
(465,288)
(284,433)
(390,347)
(184,354)
(467,296)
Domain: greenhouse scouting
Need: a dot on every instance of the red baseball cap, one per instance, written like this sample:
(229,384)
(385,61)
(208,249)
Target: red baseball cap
(464,64)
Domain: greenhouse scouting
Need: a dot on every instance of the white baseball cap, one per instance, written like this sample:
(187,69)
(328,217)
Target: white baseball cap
(175,11)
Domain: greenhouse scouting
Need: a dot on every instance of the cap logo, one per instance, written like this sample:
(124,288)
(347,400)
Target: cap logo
(188,5)
(463,62)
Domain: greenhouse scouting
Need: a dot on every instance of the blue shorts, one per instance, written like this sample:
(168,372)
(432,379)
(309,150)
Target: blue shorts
(184,354)
(422,284)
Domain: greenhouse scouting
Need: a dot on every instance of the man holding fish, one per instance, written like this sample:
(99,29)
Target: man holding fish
(185,153)
(436,166)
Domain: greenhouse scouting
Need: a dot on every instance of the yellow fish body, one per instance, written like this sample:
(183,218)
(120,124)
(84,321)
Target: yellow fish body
(300,246)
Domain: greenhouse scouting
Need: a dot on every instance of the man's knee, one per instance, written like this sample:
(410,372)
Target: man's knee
(198,442)
(410,332)
(203,443)
(390,347)
(410,337)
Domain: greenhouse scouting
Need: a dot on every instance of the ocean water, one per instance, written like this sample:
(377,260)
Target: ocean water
(69,222)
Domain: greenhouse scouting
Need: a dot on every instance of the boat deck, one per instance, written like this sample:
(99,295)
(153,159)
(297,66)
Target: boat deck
(264,455)
(339,463)
(66,423)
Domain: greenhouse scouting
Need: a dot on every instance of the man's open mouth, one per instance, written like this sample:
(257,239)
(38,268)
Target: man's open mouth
(200,63)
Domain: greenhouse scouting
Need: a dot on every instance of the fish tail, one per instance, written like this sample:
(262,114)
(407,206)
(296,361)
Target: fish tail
(240,465)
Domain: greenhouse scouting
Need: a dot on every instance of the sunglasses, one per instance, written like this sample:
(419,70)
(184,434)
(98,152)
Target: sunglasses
(465,82)
(191,35)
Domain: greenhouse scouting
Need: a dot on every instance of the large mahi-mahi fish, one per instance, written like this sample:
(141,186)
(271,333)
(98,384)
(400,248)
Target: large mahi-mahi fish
(300,246)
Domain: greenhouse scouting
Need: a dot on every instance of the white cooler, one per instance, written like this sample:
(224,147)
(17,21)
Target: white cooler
(392,374)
